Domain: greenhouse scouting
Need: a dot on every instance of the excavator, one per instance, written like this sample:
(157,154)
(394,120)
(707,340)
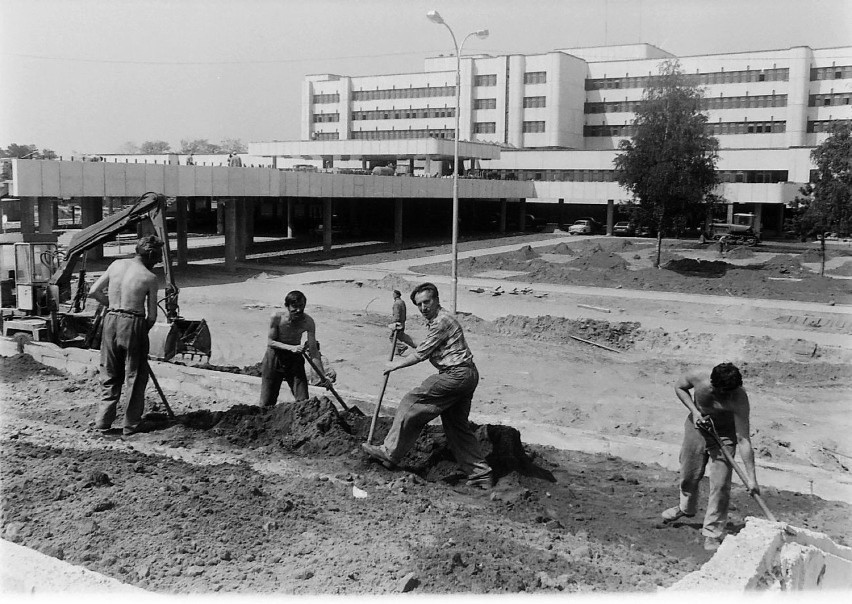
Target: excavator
(49,303)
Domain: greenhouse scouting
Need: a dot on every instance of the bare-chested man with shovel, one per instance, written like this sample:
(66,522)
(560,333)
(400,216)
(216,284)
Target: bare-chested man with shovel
(128,289)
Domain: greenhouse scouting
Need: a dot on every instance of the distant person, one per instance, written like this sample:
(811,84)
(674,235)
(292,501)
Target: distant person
(314,378)
(448,393)
(128,289)
(284,358)
(722,399)
(190,160)
(234,161)
(398,312)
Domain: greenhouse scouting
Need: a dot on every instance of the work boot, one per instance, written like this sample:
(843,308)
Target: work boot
(675,513)
(379,453)
(711,544)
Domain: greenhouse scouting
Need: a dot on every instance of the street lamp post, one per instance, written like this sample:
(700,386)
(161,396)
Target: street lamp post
(434,17)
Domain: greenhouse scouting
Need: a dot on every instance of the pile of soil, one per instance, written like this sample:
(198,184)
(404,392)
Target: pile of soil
(740,253)
(559,329)
(844,270)
(699,268)
(563,249)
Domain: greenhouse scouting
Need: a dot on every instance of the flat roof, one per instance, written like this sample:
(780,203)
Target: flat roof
(432,148)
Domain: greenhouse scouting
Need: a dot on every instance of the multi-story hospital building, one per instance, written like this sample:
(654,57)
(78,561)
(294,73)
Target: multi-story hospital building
(557,118)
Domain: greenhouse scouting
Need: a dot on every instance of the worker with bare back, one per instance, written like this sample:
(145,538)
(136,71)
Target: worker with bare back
(128,290)
(719,403)
(284,359)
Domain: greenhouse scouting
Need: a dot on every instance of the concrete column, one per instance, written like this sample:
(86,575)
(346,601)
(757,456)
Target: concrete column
(758,218)
(92,210)
(181,230)
(28,205)
(55,214)
(411,167)
(522,215)
(561,214)
(229,215)
(502,224)
(45,216)
(220,218)
(242,231)
(250,206)
(326,222)
(397,222)
(610,215)
(730,218)
(289,217)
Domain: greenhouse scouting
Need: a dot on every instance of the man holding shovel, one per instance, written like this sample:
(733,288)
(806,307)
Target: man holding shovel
(284,358)
(128,289)
(447,393)
(718,406)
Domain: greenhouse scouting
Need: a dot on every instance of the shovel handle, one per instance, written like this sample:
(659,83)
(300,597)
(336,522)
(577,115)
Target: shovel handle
(382,394)
(328,386)
(730,458)
(160,390)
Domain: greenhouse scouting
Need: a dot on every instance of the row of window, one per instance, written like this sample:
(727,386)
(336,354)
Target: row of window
(485,127)
(713,103)
(828,100)
(380,135)
(831,73)
(485,80)
(535,77)
(732,176)
(403,93)
(404,114)
(824,125)
(537,126)
(322,118)
(326,98)
(699,79)
(326,136)
(485,104)
(626,130)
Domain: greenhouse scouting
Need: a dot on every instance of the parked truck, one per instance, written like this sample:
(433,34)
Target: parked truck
(44,299)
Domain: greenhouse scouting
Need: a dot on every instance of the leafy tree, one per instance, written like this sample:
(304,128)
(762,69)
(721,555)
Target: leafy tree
(48,154)
(154,147)
(233,145)
(200,145)
(670,163)
(19,151)
(826,205)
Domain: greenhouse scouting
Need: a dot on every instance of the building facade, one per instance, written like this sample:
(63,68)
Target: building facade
(559,117)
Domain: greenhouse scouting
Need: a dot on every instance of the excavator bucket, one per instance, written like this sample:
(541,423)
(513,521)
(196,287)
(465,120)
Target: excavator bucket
(181,337)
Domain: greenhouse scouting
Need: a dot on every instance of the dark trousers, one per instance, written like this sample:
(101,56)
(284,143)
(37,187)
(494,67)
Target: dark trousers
(278,366)
(124,364)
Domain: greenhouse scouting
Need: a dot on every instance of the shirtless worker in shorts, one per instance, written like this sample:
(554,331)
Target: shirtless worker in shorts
(284,359)
(722,399)
(128,289)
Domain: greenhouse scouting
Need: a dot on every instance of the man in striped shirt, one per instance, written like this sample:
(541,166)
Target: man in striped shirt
(447,393)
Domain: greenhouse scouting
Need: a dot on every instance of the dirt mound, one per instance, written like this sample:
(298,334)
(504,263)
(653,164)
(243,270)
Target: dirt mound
(784,265)
(563,248)
(741,253)
(698,268)
(246,370)
(601,258)
(395,281)
(617,335)
(812,255)
(525,253)
(13,369)
(844,270)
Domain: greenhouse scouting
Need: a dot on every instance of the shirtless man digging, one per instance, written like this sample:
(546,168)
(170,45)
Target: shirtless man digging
(128,289)
(722,399)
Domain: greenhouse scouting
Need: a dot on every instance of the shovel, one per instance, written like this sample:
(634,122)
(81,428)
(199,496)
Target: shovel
(712,431)
(329,387)
(382,395)
(169,411)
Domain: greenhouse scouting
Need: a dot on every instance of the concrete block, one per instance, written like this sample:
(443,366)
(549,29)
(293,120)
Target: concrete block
(773,556)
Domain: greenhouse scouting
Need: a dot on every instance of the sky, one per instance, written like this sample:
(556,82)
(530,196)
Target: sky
(89,76)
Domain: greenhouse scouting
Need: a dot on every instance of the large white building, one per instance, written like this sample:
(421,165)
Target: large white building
(558,117)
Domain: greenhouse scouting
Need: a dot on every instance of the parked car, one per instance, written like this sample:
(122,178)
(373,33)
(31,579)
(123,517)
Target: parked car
(584,226)
(623,229)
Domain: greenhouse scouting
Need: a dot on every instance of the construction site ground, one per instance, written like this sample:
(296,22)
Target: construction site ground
(580,335)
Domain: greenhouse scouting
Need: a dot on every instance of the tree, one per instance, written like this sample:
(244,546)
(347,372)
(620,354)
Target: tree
(233,145)
(19,151)
(154,147)
(48,154)
(200,145)
(827,201)
(670,163)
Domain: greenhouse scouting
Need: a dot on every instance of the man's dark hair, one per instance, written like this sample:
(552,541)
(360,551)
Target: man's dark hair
(396,292)
(725,377)
(150,249)
(425,287)
(295,297)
